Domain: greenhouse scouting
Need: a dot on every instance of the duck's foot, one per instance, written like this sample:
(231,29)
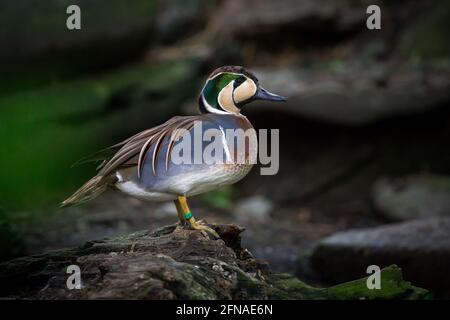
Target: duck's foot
(205,230)
(185,215)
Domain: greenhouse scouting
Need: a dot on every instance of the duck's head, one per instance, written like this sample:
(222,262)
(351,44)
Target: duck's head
(229,88)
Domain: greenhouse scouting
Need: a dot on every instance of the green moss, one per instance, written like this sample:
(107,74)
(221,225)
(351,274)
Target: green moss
(249,288)
(392,287)
(285,286)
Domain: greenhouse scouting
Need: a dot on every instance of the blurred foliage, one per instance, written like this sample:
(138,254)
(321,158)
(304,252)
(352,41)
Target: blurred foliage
(38,48)
(220,198)
(425,39)
(45,130)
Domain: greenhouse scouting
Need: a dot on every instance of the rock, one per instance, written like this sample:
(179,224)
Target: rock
(11,239)
(354,97)
(411,197)
(166,210)
(256,208)
(177,20)
(421,248)
(38,40)
(426,36)
(175,263)
(277,17)
(356,79)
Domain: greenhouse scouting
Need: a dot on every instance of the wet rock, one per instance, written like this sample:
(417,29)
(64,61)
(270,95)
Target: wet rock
(355,97)
(256,208)
(180,19)
(411,197)
(174,263)
(274,17)
(421,248)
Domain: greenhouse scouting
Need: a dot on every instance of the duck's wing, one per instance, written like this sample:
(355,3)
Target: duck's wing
(133,151)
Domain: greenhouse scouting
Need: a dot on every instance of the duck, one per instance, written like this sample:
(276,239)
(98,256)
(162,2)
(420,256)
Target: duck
(142,166)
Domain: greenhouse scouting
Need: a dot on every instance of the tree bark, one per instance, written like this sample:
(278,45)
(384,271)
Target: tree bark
(175,263)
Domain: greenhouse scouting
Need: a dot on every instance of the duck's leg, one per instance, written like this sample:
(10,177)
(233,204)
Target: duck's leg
(180,212)
(186,215)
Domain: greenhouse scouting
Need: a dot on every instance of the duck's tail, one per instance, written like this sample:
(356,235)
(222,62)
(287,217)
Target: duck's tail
(90,190)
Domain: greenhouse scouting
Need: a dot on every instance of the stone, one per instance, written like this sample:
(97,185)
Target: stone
(426,38)
(274,17)
(178,20)
(354,97)
(42,47)
(421,248)
(256,208)
(412,197)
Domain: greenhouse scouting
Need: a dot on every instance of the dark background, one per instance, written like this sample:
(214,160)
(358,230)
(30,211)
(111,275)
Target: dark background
(364,134)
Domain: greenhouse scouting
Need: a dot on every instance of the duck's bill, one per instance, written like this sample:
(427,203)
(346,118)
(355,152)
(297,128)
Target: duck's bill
(263,94)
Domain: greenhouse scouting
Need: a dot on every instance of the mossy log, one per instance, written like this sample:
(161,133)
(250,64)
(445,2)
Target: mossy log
(174,263)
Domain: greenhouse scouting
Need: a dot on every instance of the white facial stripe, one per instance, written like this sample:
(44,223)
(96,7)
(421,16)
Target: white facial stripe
(245,91)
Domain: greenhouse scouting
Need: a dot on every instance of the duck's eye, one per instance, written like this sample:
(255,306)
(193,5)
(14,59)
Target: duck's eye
(239,81)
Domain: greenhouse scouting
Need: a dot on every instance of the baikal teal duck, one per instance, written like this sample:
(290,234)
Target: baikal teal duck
(141,165)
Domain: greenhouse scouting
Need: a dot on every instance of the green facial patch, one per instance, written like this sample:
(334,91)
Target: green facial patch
(215,85)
